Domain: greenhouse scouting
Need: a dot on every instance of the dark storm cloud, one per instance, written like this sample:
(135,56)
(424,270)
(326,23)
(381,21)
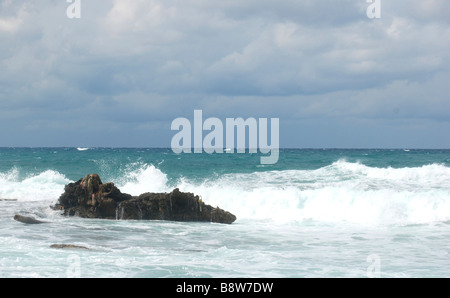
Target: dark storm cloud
(135,65)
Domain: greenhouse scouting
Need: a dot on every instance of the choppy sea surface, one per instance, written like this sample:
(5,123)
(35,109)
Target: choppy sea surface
(315,213)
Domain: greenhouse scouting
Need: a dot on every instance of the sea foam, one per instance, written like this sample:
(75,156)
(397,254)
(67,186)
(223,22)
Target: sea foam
(44,186)
(340,192)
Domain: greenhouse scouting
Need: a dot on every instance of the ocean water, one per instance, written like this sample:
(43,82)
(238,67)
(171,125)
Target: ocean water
(315,213)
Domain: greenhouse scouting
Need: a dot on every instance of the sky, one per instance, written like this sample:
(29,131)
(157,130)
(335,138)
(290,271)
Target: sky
(122,72)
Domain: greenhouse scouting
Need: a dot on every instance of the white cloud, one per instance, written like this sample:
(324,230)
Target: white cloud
(11,24)
(136,16)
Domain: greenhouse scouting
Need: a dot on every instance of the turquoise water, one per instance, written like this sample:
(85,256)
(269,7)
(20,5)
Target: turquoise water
(315,213)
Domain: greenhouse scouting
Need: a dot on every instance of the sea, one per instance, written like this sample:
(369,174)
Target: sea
(315,213)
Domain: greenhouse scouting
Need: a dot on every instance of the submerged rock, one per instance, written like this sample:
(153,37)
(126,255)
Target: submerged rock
(67,246)
(90,198)
(27,219)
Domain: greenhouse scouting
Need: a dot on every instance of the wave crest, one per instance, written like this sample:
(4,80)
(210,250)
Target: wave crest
(146,178)
(340,192)
(45,186)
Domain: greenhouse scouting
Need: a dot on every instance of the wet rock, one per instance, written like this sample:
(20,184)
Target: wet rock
(89,197)
(27,219)
(176,206)
(67,246)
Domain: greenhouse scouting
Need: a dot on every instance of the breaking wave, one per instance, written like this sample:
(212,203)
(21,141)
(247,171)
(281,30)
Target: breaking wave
(340,192)
(45,186)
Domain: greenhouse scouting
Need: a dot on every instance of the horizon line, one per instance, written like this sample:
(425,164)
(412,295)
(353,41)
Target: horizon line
(246,148)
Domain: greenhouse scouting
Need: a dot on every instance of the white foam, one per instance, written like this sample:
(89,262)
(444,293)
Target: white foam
(341,192)
(428,176)
(147,178)
(47,186)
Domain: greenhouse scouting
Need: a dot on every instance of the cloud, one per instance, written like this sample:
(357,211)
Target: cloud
(11,23)
(138,64)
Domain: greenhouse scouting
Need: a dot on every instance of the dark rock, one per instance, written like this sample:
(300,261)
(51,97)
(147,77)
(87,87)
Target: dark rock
(89,197)
(67,246)
(27,219)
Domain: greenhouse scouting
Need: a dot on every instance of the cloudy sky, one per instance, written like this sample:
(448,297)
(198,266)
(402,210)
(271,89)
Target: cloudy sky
(120,74)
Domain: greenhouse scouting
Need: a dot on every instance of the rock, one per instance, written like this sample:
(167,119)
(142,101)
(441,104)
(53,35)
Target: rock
(176,206)
(67,246)
(89,197)
(90,191)
(27,220)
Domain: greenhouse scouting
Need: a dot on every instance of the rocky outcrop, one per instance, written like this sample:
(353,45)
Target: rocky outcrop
(89,197)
